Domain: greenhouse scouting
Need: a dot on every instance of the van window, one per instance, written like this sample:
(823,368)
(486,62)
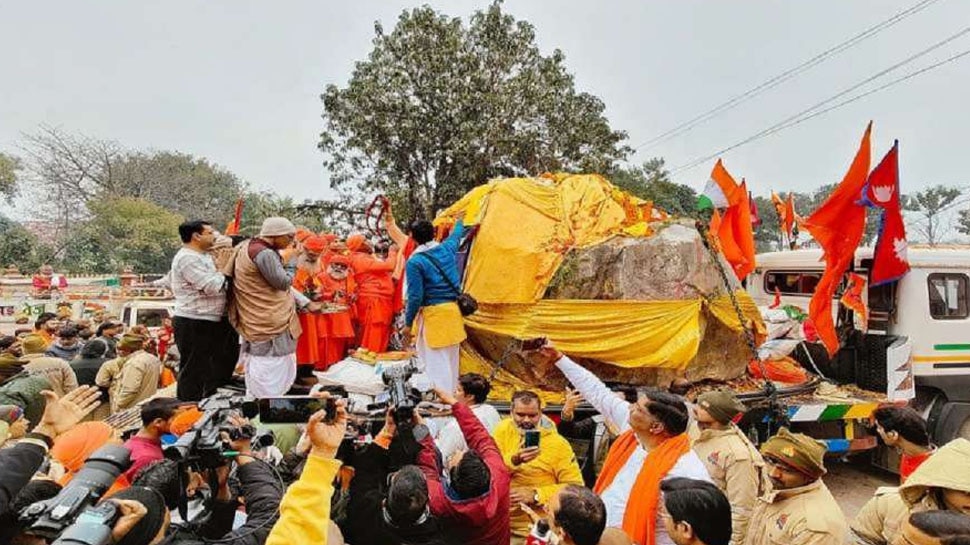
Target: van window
(151,317)
(792,282)
(948,296)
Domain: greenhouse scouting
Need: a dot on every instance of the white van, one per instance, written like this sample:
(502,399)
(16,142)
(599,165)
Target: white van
(929,307)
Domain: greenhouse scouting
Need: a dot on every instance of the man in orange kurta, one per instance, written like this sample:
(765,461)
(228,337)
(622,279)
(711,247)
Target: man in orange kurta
(375,293)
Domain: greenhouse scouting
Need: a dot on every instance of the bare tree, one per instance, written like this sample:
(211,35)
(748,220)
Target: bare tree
(930,205)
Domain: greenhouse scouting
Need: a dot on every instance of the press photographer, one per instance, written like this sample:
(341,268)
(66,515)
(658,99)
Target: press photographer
(389,494)
(261,488)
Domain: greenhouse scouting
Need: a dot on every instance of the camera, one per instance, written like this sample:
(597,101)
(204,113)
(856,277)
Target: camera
(71,509)
(399,394)
(203,443)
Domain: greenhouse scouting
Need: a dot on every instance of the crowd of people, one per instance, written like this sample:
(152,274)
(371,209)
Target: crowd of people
(650,467)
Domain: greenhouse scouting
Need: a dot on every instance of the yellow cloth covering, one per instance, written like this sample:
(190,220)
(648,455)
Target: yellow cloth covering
(624,333)
(526,227)
(443,325)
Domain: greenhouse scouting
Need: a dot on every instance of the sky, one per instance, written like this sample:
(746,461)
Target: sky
(238,82)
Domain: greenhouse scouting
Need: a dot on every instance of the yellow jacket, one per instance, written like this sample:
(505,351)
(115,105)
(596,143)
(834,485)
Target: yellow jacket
(555,467)
(305,509)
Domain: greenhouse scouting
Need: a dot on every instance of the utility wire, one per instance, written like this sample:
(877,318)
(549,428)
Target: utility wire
(817,109)
(785,76)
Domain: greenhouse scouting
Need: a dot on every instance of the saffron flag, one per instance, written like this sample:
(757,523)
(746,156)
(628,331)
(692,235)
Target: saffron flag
(890,262)
(236,223)
(721,190)
(744,234)
(838,226)
(781,210)
(852,297)
(790,216)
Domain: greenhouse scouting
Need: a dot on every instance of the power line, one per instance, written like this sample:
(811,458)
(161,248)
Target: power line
(785,76)
(814,111)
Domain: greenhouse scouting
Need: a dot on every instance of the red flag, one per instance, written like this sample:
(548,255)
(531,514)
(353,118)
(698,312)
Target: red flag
(777,302)
(838,226)
(889,261)
(236,223)
(755,217)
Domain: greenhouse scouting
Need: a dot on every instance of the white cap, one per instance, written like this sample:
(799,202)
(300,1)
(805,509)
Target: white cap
(277,227)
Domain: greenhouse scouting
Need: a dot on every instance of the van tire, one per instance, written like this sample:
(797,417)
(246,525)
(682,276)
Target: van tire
(964,430)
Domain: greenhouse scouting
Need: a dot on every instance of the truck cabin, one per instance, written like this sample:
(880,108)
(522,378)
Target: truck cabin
(929,307)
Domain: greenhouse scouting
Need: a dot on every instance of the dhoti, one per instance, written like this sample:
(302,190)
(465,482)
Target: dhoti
(269,376)
(440,331)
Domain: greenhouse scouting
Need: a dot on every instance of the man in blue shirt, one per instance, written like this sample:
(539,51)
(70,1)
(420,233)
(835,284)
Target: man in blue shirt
(433,287)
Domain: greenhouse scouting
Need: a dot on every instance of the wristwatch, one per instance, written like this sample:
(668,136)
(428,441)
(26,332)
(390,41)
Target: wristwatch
(535,498)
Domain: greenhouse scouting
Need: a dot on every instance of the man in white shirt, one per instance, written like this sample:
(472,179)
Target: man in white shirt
(207,343)
(653,446)
(473,391)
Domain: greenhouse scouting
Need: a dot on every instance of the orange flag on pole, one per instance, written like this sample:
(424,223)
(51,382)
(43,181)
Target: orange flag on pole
(744,234)
(734,231)
(838,226)
(233,227)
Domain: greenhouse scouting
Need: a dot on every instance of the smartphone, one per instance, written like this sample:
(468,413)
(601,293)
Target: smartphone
(292,409)
(531,345)
(531,438)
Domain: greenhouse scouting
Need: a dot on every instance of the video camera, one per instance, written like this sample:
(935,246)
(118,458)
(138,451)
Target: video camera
(72,514)
(203,444)
(399,395)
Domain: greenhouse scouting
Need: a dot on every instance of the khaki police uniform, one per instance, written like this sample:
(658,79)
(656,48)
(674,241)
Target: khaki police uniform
(808,515)
(737,468)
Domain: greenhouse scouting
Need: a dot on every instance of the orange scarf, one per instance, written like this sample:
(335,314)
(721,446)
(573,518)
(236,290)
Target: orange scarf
(640,517)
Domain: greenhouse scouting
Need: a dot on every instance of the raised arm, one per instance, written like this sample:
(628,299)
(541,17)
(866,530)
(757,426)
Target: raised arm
(613,409)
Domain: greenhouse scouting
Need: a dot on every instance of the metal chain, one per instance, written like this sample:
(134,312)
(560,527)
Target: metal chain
(777,415)
(512,347)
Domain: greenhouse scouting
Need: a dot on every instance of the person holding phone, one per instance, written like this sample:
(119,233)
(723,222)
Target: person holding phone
(540,460)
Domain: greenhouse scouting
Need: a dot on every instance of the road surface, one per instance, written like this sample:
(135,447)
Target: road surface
(853,483)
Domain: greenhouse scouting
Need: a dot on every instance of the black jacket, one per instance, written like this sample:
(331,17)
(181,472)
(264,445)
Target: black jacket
(263,493)
(87,369)
(365,523)
(17,466)
(582,437)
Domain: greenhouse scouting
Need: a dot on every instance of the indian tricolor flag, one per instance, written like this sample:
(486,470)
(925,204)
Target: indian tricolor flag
(721,190)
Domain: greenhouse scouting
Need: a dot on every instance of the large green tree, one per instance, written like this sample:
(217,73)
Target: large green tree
(20,248)
(651,181)
(439,106)
(124,232)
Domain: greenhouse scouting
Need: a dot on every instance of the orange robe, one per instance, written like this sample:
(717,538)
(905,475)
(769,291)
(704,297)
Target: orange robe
(307,346)
(325,336)
(335,330)
(375,299)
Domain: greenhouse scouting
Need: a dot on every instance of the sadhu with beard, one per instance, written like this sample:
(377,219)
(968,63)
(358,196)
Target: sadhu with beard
(325,335)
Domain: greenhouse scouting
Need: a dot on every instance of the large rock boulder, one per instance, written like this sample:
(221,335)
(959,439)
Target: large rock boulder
(673,264)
